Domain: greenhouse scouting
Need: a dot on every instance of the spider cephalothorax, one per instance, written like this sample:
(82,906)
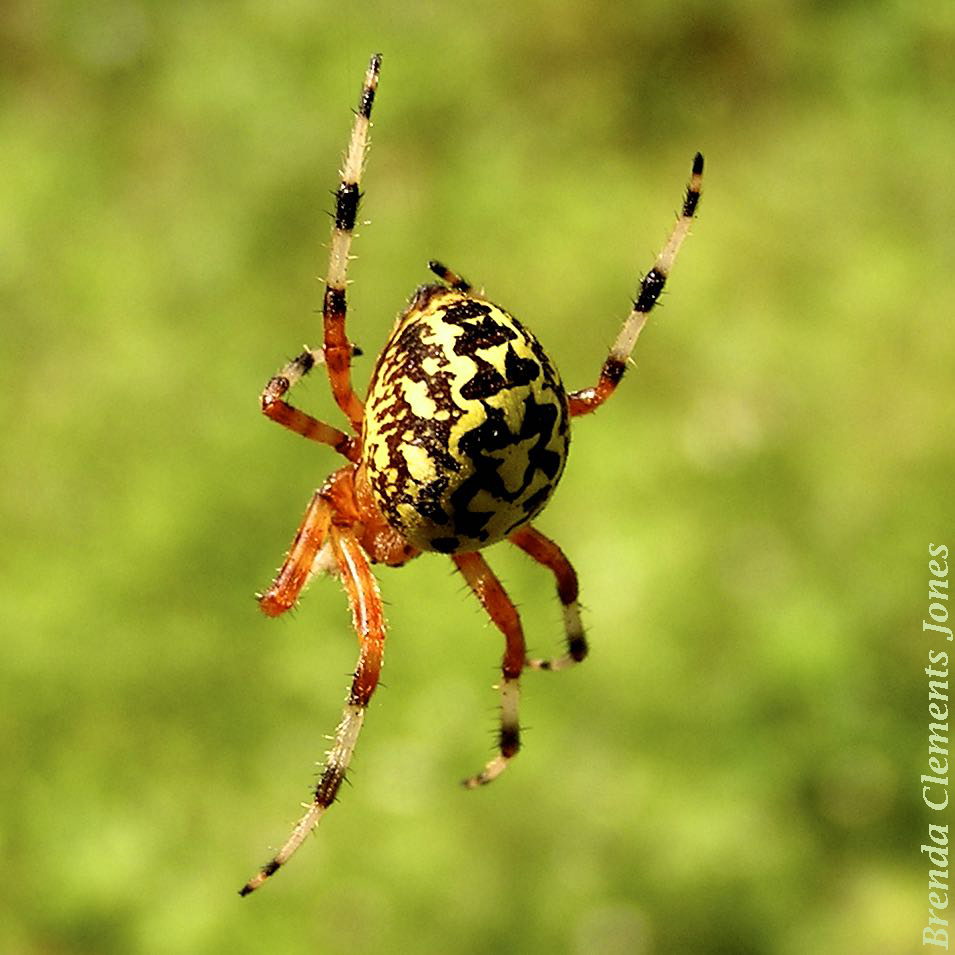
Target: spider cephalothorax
(460,442)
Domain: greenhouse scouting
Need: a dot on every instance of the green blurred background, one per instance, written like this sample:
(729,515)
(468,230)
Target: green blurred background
(736,767)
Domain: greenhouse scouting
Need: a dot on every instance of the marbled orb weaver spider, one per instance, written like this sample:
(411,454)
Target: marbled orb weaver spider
(459,444)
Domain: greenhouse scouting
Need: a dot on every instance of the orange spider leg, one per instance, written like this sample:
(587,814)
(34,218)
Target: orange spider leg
(589,399)
(547,553)
(335,497)
(275,407)
(487,588)
(338,350)
(299,563)
(368,617)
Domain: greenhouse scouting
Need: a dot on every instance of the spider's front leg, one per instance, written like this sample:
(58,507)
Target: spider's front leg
(487,588)
(334,498)
(368,617)
(297,568)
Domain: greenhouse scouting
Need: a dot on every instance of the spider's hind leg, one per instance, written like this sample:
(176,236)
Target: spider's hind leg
(451,278)
(337,349)
(546,552)
(587,400)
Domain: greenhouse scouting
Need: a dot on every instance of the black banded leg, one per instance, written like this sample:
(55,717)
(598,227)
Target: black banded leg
(548,554)
(451,278)
(275,406)
(487,588)
(337,349)
(368,618)
(589,399)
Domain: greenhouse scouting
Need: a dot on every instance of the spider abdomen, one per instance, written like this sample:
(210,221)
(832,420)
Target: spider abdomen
(466,423)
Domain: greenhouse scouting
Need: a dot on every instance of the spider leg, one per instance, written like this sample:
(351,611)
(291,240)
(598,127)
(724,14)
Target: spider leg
(487,588)
(452,278)
(546,552)
(299,563)
(368,617)
(338,350)
(309,552)
(589,399)
(275,406)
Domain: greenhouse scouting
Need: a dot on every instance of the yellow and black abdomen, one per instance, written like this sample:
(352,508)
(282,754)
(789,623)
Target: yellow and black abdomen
(466,423)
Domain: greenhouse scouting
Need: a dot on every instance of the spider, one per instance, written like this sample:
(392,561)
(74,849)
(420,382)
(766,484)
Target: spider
(459,444)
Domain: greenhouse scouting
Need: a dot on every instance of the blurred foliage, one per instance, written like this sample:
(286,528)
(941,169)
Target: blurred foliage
(736,767)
